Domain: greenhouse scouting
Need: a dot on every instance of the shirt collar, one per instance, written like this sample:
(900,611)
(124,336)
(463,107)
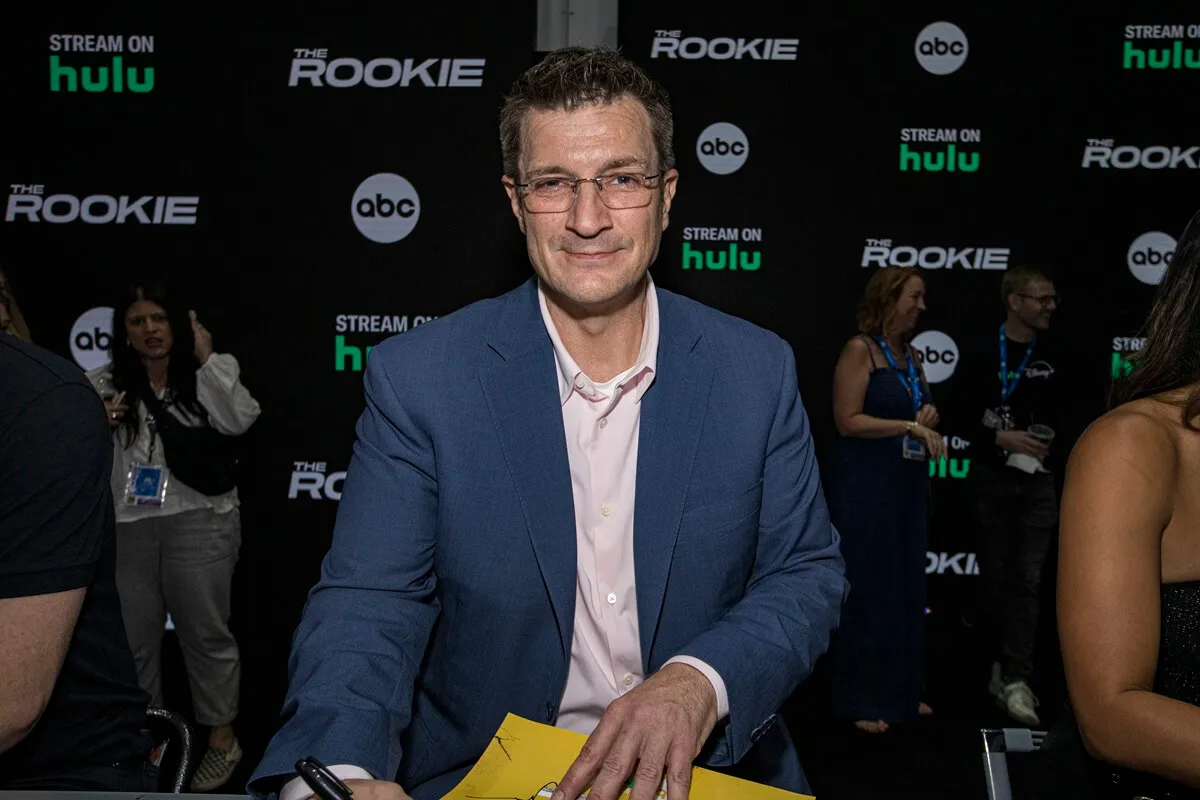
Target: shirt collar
(640,375)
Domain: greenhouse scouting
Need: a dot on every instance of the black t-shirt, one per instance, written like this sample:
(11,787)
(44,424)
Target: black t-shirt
(1041,395)
(57,533)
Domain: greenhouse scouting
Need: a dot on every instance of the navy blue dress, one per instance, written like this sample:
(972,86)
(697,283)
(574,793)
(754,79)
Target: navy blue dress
(879,501)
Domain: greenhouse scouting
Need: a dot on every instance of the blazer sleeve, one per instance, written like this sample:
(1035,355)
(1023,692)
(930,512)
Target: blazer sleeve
(365,627)
(769,641)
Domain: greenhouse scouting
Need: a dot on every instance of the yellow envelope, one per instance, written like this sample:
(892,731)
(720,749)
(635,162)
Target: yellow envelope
(525,759)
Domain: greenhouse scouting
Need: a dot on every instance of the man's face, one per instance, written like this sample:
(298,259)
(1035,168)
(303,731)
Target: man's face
(1035,303)
(591,255)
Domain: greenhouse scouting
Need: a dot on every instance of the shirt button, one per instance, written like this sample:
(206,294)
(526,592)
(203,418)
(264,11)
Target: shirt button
(604,422)
(612,598)
(580,381)
(606,510)
(628,679)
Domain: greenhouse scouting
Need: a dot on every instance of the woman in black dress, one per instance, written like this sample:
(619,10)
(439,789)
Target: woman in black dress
(1129,562)
(880,505)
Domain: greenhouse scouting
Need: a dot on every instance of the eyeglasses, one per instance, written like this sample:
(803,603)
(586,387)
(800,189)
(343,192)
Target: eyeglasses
(553,194)
(1043,299)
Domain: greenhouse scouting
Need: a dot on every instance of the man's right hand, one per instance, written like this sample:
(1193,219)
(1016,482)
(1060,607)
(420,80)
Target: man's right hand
(374,790)
(1021,442)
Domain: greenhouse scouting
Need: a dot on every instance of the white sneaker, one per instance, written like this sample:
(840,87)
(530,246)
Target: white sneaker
(1018,700)
(996,685)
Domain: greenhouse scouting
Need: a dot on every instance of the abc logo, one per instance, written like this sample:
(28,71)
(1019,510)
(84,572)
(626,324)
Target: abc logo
(1149,256)
(938,353)
(941,48)
(722,148)
(91,338)
(385,208)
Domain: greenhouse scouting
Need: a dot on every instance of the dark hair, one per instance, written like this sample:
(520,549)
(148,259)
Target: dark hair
(880,297)
(574,77)
(128,372)
(14,325)
(1170,359)
(1017,279)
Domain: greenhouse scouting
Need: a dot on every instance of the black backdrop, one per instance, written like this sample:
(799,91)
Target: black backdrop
(805,172)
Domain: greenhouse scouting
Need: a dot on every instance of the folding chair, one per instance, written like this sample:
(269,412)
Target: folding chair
(997,743)
(171,732)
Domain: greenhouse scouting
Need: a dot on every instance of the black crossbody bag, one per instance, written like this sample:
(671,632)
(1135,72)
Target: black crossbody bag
(201,457)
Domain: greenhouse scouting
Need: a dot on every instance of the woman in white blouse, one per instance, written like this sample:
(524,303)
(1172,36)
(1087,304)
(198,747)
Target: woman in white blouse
(176,546)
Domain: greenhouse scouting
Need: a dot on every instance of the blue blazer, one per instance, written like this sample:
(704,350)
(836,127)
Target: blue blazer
(447,598)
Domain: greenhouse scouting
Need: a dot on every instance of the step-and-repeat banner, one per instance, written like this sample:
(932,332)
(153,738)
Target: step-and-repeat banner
(317,182)
(816,147)
(312,182)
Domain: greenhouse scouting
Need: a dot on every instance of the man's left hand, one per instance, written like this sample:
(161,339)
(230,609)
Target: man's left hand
(658,727)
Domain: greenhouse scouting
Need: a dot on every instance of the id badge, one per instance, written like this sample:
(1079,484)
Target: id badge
(913,449)
(146,485)
(1000,419)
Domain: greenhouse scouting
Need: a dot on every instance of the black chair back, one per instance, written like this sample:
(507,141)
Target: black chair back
(173,739)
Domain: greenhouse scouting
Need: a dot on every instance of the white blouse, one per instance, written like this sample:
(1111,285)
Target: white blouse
(231,410)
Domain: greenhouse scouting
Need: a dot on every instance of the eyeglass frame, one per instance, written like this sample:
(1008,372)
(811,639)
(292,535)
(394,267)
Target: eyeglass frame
(1042,299)
(599,190)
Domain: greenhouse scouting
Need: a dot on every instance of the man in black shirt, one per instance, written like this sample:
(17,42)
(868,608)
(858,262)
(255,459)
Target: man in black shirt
(71,711)
(1013,387)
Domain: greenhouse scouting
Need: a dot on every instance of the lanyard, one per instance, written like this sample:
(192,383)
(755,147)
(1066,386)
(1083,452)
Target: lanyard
(1007,388)
(911,381)
(153,435)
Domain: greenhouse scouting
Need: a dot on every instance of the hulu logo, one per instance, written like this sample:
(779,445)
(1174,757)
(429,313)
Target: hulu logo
(1121,367)
(343,351)
(949,467)
(1174,57)
(948,160)
(728,258)
(122,77)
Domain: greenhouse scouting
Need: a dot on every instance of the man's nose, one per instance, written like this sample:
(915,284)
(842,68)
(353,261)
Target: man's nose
(589,215)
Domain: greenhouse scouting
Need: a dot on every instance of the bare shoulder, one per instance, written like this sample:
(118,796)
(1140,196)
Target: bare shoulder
(858,348)
(1142,435)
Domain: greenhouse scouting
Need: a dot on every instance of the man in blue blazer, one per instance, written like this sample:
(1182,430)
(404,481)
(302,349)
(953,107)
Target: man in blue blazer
(589,502)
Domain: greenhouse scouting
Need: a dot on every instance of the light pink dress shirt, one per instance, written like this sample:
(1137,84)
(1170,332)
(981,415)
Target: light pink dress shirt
(601,422)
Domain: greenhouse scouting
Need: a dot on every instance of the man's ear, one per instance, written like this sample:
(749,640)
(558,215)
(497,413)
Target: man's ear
(514,199)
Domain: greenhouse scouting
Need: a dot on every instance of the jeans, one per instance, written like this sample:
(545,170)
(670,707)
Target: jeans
(1018,515)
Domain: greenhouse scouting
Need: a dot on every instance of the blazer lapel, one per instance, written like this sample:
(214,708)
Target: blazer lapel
(672,418)
(522,394)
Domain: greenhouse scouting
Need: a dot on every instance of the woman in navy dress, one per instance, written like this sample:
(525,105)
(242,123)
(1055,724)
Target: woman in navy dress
(880,504)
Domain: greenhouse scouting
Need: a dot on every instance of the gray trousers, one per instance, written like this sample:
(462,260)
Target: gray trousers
(183,564)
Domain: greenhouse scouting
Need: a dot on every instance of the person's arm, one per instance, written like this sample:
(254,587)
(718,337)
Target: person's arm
(363,633)
(767,643)
(850,379)
(36,632)
(231,409)
(57,457)
(1116,504)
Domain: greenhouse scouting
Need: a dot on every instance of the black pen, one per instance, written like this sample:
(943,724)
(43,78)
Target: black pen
(324,783)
